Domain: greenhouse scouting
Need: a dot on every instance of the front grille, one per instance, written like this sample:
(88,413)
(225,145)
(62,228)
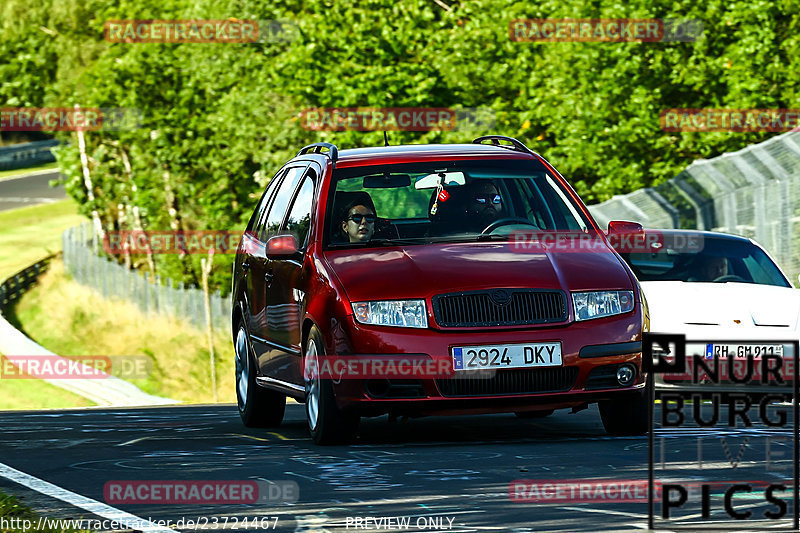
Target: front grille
(512,381)
(489,308)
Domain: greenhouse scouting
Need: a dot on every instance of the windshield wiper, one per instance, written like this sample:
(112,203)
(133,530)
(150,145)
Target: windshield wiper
(491,237)
(396,242)
(381,242)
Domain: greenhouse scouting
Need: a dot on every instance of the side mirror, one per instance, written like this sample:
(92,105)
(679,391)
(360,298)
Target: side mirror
(621,226)
(281,246)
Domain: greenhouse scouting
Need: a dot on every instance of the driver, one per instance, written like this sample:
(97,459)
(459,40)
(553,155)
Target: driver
(712,268)
(484,205)
(358,222)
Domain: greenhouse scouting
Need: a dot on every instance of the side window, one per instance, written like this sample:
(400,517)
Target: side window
(567,217)
(262,204)
(299,221)
(272,224)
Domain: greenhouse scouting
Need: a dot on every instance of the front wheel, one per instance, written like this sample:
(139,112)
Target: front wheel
(258,407)
(628,415)
(326,422)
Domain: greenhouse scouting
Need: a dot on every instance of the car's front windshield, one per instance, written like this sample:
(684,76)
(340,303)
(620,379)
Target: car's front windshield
(710,259)
(435,201)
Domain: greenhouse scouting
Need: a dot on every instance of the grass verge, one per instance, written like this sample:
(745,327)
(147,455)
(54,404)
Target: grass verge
(30,233)
(27,235)
(19,518)
(70,319)
(30,394)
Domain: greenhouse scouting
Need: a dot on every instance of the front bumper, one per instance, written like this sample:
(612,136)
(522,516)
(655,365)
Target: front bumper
(591,353)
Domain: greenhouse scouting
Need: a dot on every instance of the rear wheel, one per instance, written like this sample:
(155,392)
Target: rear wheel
(533,414)
(628,415)
(326,422)
(258,407)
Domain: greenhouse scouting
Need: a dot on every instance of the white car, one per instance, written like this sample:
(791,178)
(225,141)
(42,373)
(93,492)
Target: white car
(722,291)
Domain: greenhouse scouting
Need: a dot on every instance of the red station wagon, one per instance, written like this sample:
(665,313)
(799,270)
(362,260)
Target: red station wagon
(405,259)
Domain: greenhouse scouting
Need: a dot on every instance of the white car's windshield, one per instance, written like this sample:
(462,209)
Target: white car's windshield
(719,260)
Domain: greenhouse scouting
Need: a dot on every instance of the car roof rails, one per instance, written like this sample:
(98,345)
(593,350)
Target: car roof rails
(316,148)
(495,139)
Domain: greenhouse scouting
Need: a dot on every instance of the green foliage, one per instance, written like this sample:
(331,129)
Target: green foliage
(219,119)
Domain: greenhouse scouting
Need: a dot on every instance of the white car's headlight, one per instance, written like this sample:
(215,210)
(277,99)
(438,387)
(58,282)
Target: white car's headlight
(403,313)
(589,305)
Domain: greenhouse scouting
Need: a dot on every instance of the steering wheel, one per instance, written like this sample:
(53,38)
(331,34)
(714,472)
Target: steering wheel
(730,277)
(507,222)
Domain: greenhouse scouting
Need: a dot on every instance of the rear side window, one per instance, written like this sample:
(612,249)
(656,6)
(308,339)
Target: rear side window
(299,221)
(274,218)
(265,198)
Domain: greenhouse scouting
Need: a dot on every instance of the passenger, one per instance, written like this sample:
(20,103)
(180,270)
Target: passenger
(358,222)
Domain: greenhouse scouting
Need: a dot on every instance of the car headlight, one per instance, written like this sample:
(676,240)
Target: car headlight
(403,313)
(589,305)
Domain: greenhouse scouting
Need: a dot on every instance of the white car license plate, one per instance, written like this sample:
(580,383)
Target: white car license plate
(497,356)
(725,350)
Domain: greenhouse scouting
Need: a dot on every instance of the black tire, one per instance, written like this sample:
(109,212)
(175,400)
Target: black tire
(258,407)
(525,415)
(327,424)
(628,415)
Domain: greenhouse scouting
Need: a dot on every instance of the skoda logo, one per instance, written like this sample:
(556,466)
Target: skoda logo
(500,297)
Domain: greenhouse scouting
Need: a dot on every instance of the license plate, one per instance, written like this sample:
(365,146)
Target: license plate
(723,351)
(496,356)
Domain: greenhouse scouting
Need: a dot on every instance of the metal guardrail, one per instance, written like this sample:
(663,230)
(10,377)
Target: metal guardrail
(15,286)
(754,192)
(27,154)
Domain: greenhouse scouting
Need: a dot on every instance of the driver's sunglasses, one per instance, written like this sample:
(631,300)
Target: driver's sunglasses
(358,218)
(488,198)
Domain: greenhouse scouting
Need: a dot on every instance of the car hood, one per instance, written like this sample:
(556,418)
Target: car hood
(421,271)
(711,310)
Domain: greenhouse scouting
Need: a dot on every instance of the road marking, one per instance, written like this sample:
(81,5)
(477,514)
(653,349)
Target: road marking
(93,506)
(301,475)
(604,511)
(23,200)
(278,435)
(185,437)
(249,437)
(30,174)
(134,441)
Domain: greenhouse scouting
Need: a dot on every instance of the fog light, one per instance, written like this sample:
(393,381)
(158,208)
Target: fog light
(625,375)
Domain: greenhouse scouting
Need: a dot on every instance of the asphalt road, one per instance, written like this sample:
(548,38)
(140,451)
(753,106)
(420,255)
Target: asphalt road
(442,467)
(452,472)
(22,191)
